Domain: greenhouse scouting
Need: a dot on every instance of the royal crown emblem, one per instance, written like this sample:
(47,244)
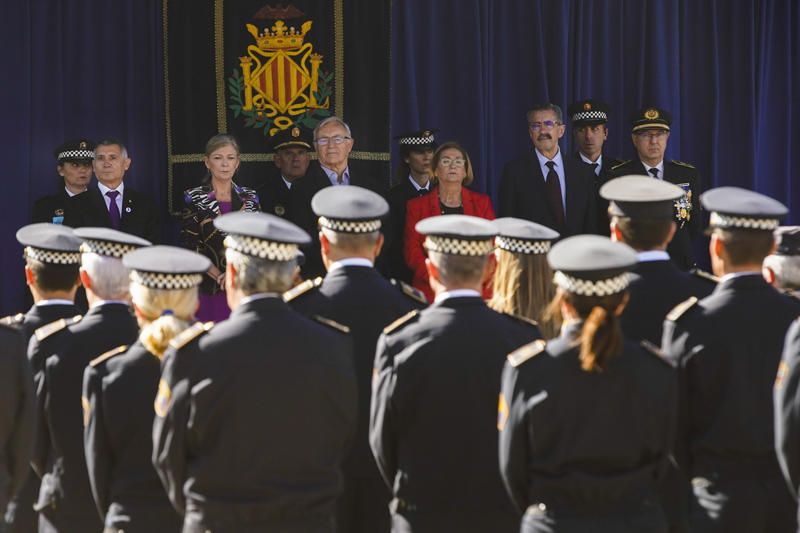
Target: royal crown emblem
(281,83)
(651,114)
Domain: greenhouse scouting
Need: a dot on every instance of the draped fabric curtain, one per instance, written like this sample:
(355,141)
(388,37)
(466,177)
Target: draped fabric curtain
(87,68)
(728,71)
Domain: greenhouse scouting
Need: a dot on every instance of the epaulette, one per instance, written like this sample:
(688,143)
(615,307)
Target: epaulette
(792,293)
(13,320)
(621,163)
(656,352)
(702,274)
(681,308)
(188,335)
(683,163)
(521,318)
(108,355)
(301,289)
(401,321)
(48,329)
(520,355)
(412,292)
(332,324)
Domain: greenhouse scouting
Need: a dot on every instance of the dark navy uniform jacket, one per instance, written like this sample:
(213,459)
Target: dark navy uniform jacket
(787,409)
(434,411)
(119,388)
(253,420)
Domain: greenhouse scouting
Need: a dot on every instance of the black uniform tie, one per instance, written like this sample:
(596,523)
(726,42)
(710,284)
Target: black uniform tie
(554,194)
(594,167)
(654,172)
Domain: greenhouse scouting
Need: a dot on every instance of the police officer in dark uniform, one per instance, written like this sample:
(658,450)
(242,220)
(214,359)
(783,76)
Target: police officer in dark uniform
(353,293)
(16,413)
(434,394)
(787,408)
(255,415)
(782,267)
(291,150)
(412,179)
(650,133)
(587,420)
(120,385)
(728,347)
(75,160)
(589,131)
(62,350)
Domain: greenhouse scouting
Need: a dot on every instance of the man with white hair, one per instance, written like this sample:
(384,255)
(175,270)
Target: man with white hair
(62,350)
(781,268)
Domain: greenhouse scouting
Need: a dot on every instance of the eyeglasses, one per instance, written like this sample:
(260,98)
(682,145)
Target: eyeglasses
(546,125)
(337,139)
(650,135)
(457,162)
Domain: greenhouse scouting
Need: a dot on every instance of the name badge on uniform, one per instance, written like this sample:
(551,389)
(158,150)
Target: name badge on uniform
(58,216)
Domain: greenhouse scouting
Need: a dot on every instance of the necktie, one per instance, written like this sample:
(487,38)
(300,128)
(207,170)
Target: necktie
(340,179)
(113,209)
(554,194)
(654,172)
(594,167)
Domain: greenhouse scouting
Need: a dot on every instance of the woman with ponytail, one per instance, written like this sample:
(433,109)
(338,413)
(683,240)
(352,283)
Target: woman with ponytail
(120,386)
(587,419)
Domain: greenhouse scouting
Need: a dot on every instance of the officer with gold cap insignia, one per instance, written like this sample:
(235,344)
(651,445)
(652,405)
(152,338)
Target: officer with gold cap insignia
(650,131)
(291,149)
(435,388)
(728,348)
(587,420)
(75,160)
(62,350)
(254,416)
(353,293)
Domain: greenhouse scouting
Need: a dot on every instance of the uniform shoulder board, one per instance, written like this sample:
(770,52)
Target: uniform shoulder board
(301,289)
(702,274)
(621,163)
(13,320)
(191,333)
(53,327)
(405,319)
(521,318)
(656,352)
(108,355)
(332,324)
(412,292)
(520,355)
(679,310)
(683,163)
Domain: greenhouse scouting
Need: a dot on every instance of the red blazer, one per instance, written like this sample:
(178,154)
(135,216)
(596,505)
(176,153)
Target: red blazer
(475,204)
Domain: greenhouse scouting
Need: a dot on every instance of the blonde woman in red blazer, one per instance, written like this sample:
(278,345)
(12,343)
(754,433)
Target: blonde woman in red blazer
(452,170)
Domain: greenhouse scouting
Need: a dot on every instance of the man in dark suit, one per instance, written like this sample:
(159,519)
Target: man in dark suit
(62,350)
(354,294)
(728,347)
(435,389)
(291,151)
(75,168)
(110,203)
(650,133)
(546,188)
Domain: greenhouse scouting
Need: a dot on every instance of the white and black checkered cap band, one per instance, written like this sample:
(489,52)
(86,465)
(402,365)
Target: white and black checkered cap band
(76,154)
(107,248)
(590,115)
(350,226)
(728,221)
(585,287)
(415,141)
(274,251)
(162,280)
(519,246)
(52,257)
(450,245)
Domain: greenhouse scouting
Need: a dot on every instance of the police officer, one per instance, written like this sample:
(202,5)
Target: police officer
(353,293)
(586,420)
(650,130)
(782,267)
(291,150)
(75,160)
(119,387)
(254,416)
(728,346)
(787,422)
(63,349)
(437,375)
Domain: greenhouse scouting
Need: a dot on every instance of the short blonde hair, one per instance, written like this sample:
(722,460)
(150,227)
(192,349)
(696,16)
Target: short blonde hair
(164,314)
(437,155)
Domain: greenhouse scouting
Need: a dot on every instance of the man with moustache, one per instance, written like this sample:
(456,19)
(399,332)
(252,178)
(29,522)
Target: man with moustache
(546,188)
(75,168)
(291,148)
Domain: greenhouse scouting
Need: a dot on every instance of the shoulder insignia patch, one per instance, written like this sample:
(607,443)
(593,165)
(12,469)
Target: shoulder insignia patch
(48,329)
(108,355)
(301,289)
(13,320)
(783,369)
(679,310)
(621,163)
(521,318)
(188,335)
(682,163)
(702,274)
(406,318)
(656,352)
(412,292)
(332,324)
(520,355)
